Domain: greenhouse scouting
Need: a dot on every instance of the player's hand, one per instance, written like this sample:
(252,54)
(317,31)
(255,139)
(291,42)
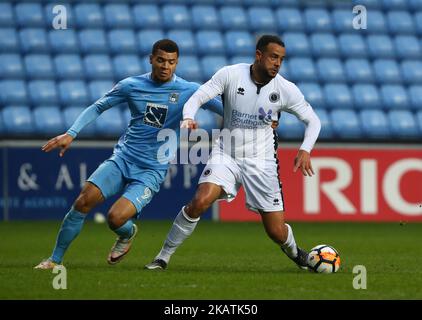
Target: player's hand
(303,161)
(189,124)
(62,141)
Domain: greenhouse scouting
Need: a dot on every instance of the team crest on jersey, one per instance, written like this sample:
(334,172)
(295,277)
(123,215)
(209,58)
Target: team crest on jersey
(174,97)
(207,172)
(274,97)
(155,115)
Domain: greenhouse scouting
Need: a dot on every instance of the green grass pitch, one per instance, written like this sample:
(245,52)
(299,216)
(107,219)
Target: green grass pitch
(219,261)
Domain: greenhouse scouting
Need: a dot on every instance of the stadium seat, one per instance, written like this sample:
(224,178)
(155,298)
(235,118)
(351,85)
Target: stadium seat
(394,97)
(289,19)
(415,97)
(13,92)
(346,124)
(261,19)
(400,22)
(342,20)
(189,69)
(403,124)
(98,89)
(284,69)
(380,46)
(330,70)
(263,3)
(326,126)
(9,42)
(209,42)
(338,96)
(54,15)
(297,44)
(17,120)
(233,18)
(39,66)
(205,17)
(122,41)
(418,22)
(42,92)
(69,66)
(73,92)
(98,66)
(411,71)
(374,124)
(69,116)
(48,121)
(147,16)
(63,41)
(366,96)
(210,65)
(247,59)
(184,39)
(239,43)
(352,46)
(407,47)
(324,45)
(386,71)
(415,4)
(206,120)
(317,20)
(394,4)
(126,66)
(29,15)
(376,22)
(6,15)
(302,69)
(93,41)
(358,71)
(369,4)
(313,94)
(175,17)
(33,41)
(290,127)
(110,123)
(146,39)
(88,15)
(11,66)
(117,15)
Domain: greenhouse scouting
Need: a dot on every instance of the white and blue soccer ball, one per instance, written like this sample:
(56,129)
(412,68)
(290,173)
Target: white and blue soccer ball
(324,259)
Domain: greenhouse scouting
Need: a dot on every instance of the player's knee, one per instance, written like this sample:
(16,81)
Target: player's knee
(114,219)
(83,203)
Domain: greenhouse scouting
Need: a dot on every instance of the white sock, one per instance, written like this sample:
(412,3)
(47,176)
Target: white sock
(290,247)
(182,228)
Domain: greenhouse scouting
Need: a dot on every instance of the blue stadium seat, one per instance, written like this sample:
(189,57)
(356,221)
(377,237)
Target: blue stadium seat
(42,92)
(326,126)
(209,42)
(175,16)
(346,124)
(317,20)
(126,66)
(98,89)
(400,22)
(263,3)
(146,38)
(188,68)
(376,22)
(386,71)
(210,65)
(54,12)
(330,70)
(369,4)
(313,94)
(122,41)
(69,66)
(418,22)
(247,59)
(13,92)
(261,19)
(147,16)
(9,42)
(73,92)
(98,66)
(380,46)
(342,20)
(88,15)
(415,97)
(93,41)
(284,69)
(366,96)
(394,4)
(184,39)
(33,41)
(290,127)
(407,47)
(239,43)
(6,15)
(17,120)
(233,18)
(289,19)
(63,41)
(415,4)
(297,44)
(117,15)
(48,121)
(411,71)
(110,123)
(205,17)
(394,97)
(29,15)
(11,66)
(374,124)
(358,71)
(69,116)
(324,45)
(403,124)
(302,69)
(352,46)
(206,120)
(39,66)
(338,96)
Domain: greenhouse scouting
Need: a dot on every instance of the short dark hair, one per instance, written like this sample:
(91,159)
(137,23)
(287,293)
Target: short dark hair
(166,45)
(267,39)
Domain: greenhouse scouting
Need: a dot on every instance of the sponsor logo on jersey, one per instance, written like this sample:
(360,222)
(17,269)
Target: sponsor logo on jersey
(274,97)
(241,91)
(174,97)
(155,115)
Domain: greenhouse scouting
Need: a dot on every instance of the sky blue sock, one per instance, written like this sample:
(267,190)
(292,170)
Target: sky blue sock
(71,226)
(126,230)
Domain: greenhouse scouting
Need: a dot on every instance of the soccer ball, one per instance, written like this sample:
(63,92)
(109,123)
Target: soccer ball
(324,259)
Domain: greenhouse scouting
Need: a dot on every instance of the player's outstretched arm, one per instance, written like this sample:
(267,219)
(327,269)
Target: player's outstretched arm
(303,162)
(62,141)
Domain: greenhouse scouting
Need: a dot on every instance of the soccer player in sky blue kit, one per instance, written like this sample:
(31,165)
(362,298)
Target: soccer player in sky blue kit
(136,168)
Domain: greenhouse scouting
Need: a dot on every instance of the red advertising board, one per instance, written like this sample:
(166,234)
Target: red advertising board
(349,185)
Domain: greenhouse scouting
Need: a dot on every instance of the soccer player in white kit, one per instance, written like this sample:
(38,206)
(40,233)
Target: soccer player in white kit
(253,98)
